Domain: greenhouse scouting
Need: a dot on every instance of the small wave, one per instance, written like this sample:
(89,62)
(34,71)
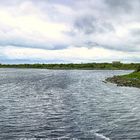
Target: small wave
(100,137)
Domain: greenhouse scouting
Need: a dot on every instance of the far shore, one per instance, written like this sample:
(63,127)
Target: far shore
(78,66)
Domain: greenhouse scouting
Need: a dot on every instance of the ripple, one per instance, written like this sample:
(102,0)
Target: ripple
(100,137)
(72,104)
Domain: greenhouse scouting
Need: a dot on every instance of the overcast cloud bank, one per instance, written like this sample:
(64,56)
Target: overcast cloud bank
(47,31)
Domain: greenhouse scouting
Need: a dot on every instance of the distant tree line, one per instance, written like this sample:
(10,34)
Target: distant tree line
(94,66)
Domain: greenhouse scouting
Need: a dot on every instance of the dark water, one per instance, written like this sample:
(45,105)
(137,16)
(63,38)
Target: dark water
(76,104)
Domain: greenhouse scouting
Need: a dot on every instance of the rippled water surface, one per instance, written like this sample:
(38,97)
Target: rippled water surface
(66,104)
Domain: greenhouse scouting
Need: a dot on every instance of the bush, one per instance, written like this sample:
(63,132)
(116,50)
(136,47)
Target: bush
(138,69)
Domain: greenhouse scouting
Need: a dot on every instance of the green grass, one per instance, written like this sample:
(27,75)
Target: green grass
(134,75)
(131,80)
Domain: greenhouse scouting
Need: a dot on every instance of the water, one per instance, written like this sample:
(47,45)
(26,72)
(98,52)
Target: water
(66,104)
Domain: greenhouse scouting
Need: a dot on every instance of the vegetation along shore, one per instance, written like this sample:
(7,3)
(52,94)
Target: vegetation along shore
(131,80)
(87,66)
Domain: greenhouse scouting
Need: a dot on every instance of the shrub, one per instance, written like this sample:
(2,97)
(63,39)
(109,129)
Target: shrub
(138,69)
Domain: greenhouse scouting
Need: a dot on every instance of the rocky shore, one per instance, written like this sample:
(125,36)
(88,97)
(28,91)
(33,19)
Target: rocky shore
(125,81)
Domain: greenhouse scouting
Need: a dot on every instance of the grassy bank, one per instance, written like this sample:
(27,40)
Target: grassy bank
(131,80)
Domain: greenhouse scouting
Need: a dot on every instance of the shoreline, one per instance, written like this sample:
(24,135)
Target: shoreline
(129,80)
(79,66)
(66,68)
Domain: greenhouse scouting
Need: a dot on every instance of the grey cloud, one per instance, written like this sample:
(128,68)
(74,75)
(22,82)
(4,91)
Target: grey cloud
(85,24)
(135,32)
(91,22)
(23,44)
(108,26)
(124,5)
(89,25)
(10,2)
(63,2)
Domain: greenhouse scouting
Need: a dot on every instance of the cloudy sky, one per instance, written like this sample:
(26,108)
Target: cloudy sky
(65,31)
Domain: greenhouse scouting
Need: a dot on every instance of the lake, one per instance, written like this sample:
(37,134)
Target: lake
(66,104)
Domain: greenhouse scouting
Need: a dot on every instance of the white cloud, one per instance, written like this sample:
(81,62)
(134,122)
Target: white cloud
(16,22)
(34,29)
(71,54)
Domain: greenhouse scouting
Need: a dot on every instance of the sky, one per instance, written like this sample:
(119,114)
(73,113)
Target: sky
(69,31)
